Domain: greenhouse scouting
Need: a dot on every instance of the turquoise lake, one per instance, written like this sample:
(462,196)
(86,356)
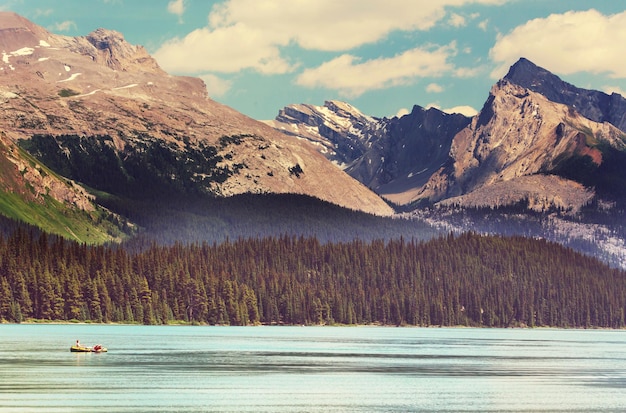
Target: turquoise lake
(310,369)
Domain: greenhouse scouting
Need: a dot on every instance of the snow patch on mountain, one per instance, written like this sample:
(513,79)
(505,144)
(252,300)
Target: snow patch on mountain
(69,79)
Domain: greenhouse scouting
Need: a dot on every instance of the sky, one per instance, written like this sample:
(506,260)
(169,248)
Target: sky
(381,56)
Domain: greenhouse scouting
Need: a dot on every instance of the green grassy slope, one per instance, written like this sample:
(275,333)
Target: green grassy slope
(19,201)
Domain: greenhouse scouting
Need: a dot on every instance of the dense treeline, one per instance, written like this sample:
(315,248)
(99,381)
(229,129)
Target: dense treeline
(454,280)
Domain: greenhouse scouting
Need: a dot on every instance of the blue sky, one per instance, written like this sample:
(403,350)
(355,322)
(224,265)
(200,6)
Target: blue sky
(382,56)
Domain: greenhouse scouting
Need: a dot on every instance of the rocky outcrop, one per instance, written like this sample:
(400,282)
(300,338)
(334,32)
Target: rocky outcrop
(111,50)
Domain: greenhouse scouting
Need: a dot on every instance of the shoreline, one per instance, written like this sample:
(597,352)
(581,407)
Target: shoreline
(187,324)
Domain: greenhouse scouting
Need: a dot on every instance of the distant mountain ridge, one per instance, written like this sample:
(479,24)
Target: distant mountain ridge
(338,129)
(94,130)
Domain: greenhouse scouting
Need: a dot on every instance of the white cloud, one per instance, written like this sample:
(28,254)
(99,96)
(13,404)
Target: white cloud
(576,41)
(483,25)
(215,85)
(65,26)
(456,20)
(352,78)
(401,112)
(465,72)
(225,50)
(176,7)
(434,88)
(262,28)
(463,110)
(43,12)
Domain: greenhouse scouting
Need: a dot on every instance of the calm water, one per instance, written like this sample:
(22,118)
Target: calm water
(310,369)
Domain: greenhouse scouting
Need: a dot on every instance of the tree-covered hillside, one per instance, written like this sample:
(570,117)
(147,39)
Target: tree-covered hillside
(467,280)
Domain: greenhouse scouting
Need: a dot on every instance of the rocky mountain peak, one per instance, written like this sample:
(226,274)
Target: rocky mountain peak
(520,133)
(526,72)
(16,32)
(111,42)
(346,110)
(595,105)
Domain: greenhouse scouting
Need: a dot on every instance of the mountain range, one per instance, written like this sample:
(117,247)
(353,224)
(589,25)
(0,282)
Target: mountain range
(98,143)
(533,131)
(541,151)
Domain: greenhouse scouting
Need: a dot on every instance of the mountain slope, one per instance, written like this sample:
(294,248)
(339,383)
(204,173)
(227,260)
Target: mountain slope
(32,193)
(103,113)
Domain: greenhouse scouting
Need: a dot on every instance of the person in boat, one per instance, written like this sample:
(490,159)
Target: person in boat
(77,343)
(97,347)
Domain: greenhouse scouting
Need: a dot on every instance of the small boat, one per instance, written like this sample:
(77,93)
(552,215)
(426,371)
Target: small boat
(84,349)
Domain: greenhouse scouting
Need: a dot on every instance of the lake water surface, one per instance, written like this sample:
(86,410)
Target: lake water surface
(310,369)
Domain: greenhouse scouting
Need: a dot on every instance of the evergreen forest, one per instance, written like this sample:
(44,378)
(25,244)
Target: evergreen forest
(453,280)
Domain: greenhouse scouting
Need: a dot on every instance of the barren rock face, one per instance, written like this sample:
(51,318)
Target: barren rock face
(520,133)
(69,90)
(339,130)
(592,104)
(114,52)
(391,156)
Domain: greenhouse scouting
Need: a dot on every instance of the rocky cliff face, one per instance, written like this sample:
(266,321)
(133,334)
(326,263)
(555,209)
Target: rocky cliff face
(520,133)
(97,103)
(592,104)
(404,152)
(338,129)
(391,156)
